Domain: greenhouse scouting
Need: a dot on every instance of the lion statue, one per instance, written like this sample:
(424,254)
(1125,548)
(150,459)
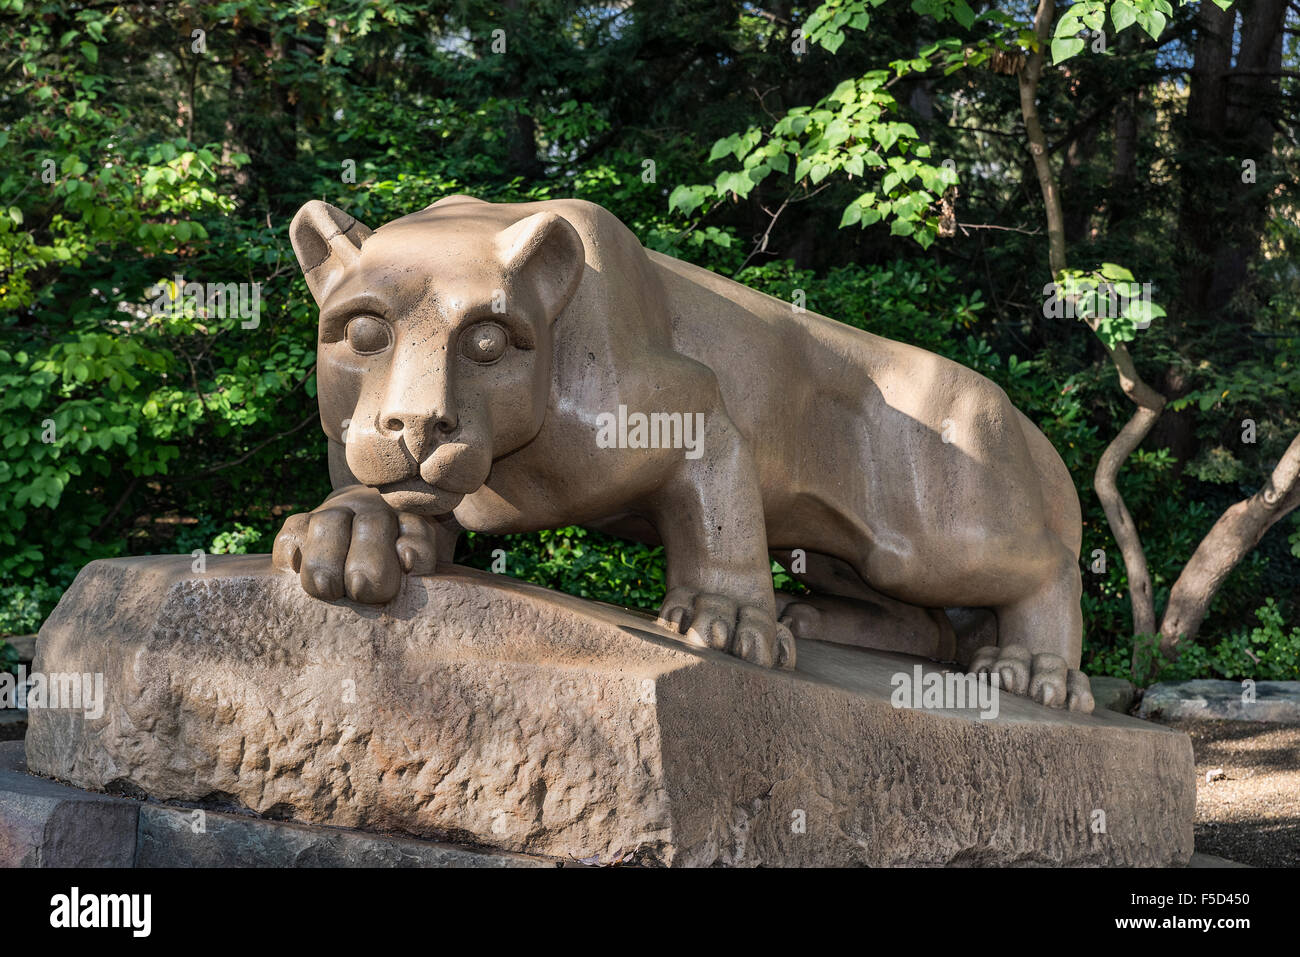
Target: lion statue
(515,367)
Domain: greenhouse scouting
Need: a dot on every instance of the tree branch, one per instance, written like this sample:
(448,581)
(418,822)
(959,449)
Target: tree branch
(1233,536)
(1028,80)
(315,416)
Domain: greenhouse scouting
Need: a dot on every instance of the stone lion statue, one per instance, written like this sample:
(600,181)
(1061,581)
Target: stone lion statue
(514,367)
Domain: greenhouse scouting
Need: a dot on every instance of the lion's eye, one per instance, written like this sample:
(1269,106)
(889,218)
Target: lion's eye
(368,335)
(484,342)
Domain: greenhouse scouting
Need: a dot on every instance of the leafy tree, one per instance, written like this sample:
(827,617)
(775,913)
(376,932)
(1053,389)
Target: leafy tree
(856,131)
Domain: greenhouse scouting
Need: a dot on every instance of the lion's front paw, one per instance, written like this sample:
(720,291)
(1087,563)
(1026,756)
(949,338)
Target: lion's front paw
(716,621)
(1044,677)
(355,544)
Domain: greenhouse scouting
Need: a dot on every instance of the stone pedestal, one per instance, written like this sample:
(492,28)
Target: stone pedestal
(47,824)
(478,709)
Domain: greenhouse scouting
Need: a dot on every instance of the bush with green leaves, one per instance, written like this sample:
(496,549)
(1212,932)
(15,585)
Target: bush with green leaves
(23,605)
(576,561)
(1270,651)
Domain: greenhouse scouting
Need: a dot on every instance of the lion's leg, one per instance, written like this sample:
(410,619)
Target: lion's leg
(446,533)
(1040,634)
(842,608)
(1040,640)
(709,515)
(879,623)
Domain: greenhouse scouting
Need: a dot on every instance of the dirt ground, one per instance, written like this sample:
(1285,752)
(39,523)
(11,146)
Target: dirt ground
(1252,814)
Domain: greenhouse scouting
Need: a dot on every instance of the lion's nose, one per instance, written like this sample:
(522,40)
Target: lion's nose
(402,421)
(419,431)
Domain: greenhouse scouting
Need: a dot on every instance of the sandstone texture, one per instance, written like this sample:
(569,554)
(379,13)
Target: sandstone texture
(47,824)
(478,709)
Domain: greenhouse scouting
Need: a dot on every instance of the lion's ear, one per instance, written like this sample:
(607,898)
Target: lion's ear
(545,251)
(326,241)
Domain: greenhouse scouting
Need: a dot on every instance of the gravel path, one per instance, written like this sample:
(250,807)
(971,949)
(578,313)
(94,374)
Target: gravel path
(1252,814)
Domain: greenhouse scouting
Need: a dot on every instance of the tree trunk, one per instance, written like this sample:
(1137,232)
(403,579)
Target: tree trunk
(521,150)
(1253,105)
(1203,124)
(1233,536)
(1028,79)
(1123,173)
(1232,113)
(1149,402)
(1075,202)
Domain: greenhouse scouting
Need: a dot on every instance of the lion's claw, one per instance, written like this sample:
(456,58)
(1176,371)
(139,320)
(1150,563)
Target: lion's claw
(354,544)
(1046,678)
(716,621)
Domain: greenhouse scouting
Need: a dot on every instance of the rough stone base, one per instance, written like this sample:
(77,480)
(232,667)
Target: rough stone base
(1207,699)
(13,724)
(45,824)
(1113,694)
(478,709)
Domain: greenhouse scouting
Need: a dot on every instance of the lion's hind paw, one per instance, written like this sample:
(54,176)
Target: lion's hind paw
(1046,678)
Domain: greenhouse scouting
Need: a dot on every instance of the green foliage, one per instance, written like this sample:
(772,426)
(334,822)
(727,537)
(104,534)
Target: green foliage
(240,540)
(208,534)
(855,131)
(910,300)
(576,561)
(1267,652)
(1080,16)
(23,606)
(1109,300)
(827,23)
(586,563)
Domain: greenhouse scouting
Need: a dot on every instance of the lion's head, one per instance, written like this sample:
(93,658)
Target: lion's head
(434,349)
